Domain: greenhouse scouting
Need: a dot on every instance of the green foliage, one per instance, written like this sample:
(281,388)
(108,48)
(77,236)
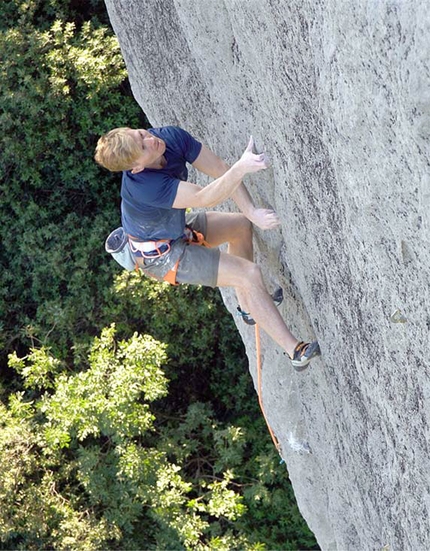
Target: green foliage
(65,98)
(87,440)
(42,13)
(219,428)
(104,400)
(61,88)
(193,323)
(39,370)
(121,458)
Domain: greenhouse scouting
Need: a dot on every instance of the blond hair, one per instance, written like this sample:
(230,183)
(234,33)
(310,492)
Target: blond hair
(117,150)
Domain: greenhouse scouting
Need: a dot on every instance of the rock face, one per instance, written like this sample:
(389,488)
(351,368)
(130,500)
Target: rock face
(337,92)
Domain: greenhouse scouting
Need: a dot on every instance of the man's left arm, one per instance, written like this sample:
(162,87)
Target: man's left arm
(210,164)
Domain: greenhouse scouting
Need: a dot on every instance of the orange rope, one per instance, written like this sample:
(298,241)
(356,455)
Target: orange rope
(260,395)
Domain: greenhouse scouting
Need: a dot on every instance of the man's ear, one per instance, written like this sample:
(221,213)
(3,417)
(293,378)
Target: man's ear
(137,168)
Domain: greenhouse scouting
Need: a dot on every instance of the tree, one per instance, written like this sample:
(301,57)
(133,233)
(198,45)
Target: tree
(82,457)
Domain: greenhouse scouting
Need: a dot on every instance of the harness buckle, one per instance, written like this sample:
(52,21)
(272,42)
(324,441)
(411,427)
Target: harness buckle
(150,249)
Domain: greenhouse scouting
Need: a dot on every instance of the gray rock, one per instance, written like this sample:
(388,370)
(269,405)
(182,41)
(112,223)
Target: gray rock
(337,92)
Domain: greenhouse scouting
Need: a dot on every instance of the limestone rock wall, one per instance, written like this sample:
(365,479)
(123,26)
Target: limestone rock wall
(337,92)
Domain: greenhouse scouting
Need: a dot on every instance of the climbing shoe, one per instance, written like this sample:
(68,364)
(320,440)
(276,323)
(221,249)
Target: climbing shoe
(245,316)
(277,297)
(303,354)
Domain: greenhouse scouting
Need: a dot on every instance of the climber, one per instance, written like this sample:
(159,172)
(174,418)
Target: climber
(155,194)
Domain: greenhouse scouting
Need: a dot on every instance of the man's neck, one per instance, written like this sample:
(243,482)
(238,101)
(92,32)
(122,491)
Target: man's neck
(159,163)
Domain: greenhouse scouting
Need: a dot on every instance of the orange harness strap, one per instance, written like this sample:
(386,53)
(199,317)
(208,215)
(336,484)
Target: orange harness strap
(170,277)
(193,238)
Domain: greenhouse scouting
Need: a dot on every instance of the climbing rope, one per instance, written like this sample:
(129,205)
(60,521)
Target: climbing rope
(259,388)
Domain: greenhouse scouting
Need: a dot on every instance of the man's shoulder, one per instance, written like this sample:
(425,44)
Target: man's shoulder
(181,145)
(180,142)
(170,134)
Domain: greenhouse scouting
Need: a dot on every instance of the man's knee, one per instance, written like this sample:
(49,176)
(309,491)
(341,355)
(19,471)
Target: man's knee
(238,272)
(244,223)
(243,229)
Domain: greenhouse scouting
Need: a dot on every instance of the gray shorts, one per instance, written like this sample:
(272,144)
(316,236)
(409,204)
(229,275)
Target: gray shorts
(197,265)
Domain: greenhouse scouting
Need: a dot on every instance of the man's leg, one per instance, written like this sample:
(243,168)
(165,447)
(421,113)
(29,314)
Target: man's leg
(237,270)
(236,230)
(246,278)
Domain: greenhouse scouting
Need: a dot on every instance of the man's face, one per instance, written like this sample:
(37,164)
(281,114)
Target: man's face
(152,149)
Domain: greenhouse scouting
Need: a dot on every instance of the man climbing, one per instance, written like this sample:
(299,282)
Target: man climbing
(155,195)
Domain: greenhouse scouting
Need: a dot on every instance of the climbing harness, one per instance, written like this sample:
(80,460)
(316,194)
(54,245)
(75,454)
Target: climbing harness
(149,249)
(156,249)
(259,389)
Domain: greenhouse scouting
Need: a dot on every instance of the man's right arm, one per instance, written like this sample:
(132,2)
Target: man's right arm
(218,191)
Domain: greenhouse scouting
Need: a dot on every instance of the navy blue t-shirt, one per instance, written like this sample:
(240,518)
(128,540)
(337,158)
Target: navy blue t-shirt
(148,196)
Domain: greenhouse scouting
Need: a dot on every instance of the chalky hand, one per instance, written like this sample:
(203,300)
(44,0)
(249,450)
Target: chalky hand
(252,162)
